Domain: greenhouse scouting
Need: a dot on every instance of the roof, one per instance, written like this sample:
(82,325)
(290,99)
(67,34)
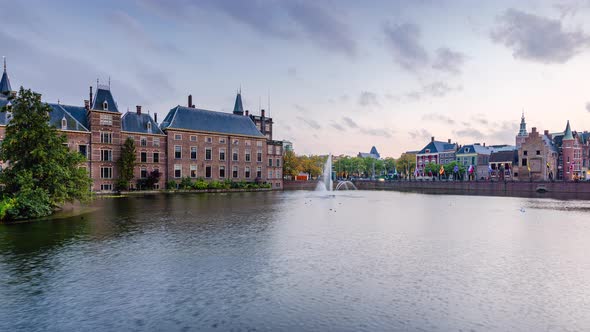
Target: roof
(196,119)
(238,108)
(474,148)
(438,146)
(103,94)
(59,113)
(138,123)
(374,151)
(368,155)
(4,81)
(503,147)
(568,132)
(504,156)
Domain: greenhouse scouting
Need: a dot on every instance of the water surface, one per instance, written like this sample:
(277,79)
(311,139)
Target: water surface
(350,261)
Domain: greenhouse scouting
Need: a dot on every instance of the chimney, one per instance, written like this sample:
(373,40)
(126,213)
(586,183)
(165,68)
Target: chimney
(432,139)
(91,94)
(138,108)
(533,130)
(190,101)
(484,144)
(156,117)
(262,113)
(247,112)
(546,132)
(86,105)
(449,141)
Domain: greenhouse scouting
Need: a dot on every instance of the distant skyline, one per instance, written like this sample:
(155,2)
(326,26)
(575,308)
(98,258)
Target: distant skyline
(342,76)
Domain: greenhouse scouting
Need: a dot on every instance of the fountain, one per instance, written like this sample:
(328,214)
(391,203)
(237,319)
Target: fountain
(326,184)
(345,185)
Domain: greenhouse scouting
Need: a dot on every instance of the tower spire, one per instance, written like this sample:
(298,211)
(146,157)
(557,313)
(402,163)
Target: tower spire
(5,87)
(4,60)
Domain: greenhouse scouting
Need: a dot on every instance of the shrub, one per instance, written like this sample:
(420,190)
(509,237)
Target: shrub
(200,184)
(28,203)
(171,185)
(215,185)
(186,183)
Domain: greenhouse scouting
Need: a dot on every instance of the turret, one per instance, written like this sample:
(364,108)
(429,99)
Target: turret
(5,88)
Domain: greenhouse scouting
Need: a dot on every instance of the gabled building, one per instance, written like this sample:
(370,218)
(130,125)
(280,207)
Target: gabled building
(538,157)
(371,154)
(503,165)
(569,161)
(435,152)
(475,155)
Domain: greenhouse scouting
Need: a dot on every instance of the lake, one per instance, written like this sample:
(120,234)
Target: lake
(345,261)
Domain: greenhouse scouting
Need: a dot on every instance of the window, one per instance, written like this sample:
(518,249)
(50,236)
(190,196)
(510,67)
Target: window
(106,137)
(278,173)
(106,187)
(525,152)
(538,152)
(278,164)
(156,157)
(64,124)
(247,143)
(208,171)
(83,149)
(278,149)
(193,138)
(236,142)
(247,155)
(222,154)
(269,149)
(106,119)
(208,139)
(259,156)
(149,127)
(105,105)
(177,171)
(156,141)
(524,162)
(193,169)
(177,137)
(234,155)
(234,172)
(193,152)
(143,173)
(259,143)
(143,157)
(177,152)
(247,172)
(269,162)
(222,141)
(106,155)
(208,153)
(221,171)
(258,172)
(143,141)
(106,172)
(269,174)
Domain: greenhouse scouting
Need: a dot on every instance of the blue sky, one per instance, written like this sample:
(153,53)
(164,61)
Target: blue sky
(342,75)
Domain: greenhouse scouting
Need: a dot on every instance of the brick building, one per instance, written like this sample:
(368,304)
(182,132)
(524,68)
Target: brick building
(190,142)
(538,157)
(436,152)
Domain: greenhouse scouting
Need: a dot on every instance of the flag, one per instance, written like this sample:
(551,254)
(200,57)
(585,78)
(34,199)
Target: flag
(490,170)
(548,166)
(572,166)
(456,169)
(470,169)
(528,167)
(442,170)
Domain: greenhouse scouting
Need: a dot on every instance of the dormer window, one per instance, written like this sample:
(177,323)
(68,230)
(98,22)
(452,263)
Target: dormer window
(149,127)
(427,151)
(105,105)
(466,150)
(8,116)
(64,123)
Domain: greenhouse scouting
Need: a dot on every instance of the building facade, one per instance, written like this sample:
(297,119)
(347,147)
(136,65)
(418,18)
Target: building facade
(436,152)
(475,155)
(538,157)
(190,142)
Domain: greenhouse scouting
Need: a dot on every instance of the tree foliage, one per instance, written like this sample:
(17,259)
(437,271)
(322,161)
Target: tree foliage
(126,164)
(43,173)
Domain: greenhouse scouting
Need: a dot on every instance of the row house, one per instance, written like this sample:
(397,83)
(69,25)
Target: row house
(190,142)
(503,164)
(435,152)
(475,155)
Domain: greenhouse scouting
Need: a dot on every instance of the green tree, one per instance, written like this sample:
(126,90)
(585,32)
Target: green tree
(389,164)
(291,164)
(126,164)
(406,164)
(42,170)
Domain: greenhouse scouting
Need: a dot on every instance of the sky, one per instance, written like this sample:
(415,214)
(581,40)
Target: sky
(339,76)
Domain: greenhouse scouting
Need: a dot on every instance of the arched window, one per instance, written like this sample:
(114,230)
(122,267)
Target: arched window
(64,123)
(105,105)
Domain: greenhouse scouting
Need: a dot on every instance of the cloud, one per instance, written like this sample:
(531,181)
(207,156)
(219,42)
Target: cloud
(337,126)
(438,118)
(310,122)
(403,40)
(469,132)
(290,20)
(448,60)
(495,132)
(368,99)
(350,122)
(480,118)
(536,38)
(435,89)
(299,108)
(419,134)
(378,132)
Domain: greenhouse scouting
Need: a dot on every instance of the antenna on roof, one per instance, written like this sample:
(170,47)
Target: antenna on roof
(97,84)
(4,60)
(109,82)
(240,91)
(269,103)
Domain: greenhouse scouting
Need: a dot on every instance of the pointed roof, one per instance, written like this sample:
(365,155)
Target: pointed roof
(5,82)
(138,123)
(568,132)
(103,93)
(238,108)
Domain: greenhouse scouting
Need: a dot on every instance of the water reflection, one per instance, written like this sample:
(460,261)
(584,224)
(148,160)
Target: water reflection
(301,261)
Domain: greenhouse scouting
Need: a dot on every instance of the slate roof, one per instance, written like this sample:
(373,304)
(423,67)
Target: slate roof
(504,156)
(5,83)
(438,146)
(103,94)
(367,155)
(474,148)
(138,123)
(196,119)
(238,108)
(374,152)
(59,112)
(568,132)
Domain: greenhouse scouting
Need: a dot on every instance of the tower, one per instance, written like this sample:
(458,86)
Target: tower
(522,133)
(238,108)
(5,88)
(570,151)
